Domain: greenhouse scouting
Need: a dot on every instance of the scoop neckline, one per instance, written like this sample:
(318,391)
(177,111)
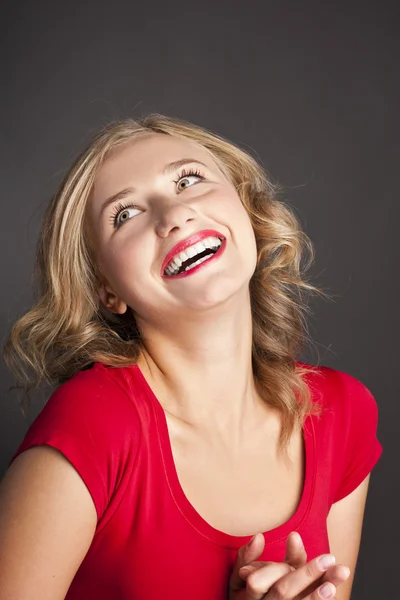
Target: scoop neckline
(199,523)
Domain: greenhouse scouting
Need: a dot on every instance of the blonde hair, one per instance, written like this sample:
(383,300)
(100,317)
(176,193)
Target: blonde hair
(67,328)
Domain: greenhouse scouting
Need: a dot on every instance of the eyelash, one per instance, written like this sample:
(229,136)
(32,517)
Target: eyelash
(122,206)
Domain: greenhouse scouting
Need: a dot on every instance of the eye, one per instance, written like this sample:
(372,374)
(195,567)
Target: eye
(185,176)
(121,209)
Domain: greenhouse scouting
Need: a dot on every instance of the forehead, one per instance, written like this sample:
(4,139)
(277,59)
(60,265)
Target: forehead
(149,154)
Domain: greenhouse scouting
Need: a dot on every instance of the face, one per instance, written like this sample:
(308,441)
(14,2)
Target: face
(136,236)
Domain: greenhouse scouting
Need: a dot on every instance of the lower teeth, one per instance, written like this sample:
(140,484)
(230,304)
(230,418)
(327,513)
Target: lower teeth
(198,262)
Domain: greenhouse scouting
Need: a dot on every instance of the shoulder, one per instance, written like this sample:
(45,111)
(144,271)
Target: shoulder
(339,391)
(97,391)
(93,409)
(92,420)
(346,431)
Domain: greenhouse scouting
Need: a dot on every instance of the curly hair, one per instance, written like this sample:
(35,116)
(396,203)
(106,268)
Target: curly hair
(68,329)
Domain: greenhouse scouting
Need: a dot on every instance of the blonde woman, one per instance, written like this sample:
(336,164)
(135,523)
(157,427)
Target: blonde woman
(186,452)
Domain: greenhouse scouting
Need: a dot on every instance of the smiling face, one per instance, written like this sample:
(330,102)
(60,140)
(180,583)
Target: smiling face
(133,236)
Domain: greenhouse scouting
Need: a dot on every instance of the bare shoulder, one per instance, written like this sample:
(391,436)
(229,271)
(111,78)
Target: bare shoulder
(47,523)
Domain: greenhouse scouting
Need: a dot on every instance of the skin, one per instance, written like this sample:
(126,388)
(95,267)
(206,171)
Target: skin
(294,578)
(196,331)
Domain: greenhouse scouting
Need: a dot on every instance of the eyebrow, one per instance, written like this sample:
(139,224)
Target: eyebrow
(131,190)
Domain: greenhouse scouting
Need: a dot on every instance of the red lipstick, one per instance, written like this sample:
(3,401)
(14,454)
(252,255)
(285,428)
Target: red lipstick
(190,241)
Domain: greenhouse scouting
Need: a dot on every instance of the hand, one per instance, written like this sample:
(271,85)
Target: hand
(296,556)
(292,579)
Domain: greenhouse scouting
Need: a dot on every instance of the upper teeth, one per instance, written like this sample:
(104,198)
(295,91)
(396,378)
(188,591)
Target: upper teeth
(176,262)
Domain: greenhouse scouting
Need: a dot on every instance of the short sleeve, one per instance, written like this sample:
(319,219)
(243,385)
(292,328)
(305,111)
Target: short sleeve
(91,420)
(357,432)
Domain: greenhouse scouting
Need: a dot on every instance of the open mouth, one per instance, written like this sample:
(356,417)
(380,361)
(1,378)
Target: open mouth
(193,256)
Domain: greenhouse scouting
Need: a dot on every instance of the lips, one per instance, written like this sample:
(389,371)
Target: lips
(182,245)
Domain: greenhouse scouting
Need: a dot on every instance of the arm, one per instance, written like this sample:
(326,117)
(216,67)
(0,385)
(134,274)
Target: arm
(47,523)
(344,531)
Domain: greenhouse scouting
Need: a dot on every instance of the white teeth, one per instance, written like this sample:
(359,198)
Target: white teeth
(176,262)
(198,262)
(199,247)
(190,252)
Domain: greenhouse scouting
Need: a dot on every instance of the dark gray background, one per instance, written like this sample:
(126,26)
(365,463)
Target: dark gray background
(310,88)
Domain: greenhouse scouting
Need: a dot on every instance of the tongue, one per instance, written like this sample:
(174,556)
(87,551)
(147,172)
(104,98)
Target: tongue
(192,260)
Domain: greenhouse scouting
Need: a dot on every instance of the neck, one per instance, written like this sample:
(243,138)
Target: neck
(201,368)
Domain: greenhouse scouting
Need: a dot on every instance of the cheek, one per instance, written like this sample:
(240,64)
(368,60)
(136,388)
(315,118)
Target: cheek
(132,263)
(240,214)
(123,263)
(249,239)
(231,209)
(234,215)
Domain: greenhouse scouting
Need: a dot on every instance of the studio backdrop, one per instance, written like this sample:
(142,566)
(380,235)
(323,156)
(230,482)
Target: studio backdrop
(310,89)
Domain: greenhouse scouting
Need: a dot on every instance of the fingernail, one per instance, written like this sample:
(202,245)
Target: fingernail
(326,561)
(244,572)
(326,591)
(346,572)
(251,541)
(246,569)
(298,539)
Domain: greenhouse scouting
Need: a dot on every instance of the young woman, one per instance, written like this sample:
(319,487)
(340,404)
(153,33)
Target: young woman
(186,452)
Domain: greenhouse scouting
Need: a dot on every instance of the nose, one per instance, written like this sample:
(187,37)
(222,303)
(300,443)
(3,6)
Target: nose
(174,217)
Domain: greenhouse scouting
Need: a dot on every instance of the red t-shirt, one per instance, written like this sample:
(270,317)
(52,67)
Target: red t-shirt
(150,542)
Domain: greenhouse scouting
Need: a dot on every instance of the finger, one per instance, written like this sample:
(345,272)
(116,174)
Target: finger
(245,571)
(336,574)
(248,553)
(296,554)
(294,583)
(259,581)
(252,550)
(326,591)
